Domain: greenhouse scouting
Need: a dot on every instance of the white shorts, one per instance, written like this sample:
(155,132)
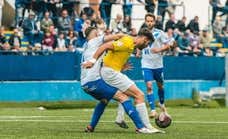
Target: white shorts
(116,79)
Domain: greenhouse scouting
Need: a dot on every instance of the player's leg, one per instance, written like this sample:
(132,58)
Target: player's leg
(140,104)
(123,83)
(98,111)
(148,78)
(120,117)
(133,114)
(158,76)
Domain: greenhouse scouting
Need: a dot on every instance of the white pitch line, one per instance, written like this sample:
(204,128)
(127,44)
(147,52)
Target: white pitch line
(15,117)
(86,121)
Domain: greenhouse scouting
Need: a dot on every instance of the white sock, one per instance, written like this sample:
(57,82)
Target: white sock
(120,113)
(142,110)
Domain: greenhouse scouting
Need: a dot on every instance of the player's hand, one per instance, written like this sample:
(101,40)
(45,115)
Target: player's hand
(138,55)
(87,64)
(127,66)
(155,50)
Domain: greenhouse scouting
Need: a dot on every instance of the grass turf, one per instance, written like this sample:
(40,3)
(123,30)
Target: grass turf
(188,123)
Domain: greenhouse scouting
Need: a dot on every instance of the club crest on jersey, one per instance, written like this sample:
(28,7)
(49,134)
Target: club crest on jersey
(119,43)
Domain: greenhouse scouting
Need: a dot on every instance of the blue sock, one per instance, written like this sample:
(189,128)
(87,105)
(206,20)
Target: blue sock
(151,101)
(132,113)
(98,111)
(161,95)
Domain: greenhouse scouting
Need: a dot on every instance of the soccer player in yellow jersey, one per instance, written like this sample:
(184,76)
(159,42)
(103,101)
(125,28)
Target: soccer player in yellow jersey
(115,59)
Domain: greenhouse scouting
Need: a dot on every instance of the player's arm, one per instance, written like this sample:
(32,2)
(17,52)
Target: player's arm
(165,47)
(166,44)
(104,47)
(113,37)
(138,53)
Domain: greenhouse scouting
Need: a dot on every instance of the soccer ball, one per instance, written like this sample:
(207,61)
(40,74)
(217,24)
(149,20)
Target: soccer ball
(163,120)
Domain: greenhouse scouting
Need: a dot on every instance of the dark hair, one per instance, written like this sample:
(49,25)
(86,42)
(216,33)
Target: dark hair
(88,30)
(150,15)
(146,32)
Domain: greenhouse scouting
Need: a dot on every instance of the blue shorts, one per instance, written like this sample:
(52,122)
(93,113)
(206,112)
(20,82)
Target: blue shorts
(100,90)
(153,74)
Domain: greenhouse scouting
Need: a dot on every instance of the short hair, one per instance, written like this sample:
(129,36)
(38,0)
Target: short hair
(88,30)
(150,15)
(146,32)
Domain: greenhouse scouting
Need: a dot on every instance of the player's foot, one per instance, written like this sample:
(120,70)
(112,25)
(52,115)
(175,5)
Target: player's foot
(122,124)
(148,131)
(153,114)
(155,130)
(89,129)
(144,131)
(162,107)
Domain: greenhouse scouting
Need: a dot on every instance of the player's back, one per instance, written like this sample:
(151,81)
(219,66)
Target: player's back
(122,50)
(90,47)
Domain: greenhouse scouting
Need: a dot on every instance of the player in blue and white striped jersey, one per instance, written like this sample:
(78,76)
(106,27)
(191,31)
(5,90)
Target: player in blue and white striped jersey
(152,63)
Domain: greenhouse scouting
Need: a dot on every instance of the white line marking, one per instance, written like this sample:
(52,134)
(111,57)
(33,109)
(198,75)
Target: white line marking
(15,117)
(86,121)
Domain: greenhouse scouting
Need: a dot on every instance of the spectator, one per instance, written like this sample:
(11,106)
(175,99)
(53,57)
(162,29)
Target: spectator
(48,41)
(5,47)
(52,7)
(173,51)
(172,6)
(15,40)
(19,8)
(69,6)
(64,22)
(2,36)
(61,43)
(101,26)
(194,25)
(71,41)
(158,23)
(127,24)
(46,22)
(217,27)
(88,11)
(195,43)
(79,27)
(224,37)
(150,6)
(208,52)
(39,7)
(162,5)
(78,22)
(117,24)
(170,23)
(216,5)
(181,24)
(127,7)
(31,32)
(105,11)
(183,43)
(1,10)
(205,39)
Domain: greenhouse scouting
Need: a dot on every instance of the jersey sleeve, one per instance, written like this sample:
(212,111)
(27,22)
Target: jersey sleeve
(164,38)
(97,41)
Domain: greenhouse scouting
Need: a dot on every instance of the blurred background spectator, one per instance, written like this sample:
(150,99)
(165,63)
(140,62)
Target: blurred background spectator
(1,6)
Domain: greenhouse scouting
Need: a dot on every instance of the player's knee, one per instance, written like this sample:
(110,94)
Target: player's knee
(104,101)
(120,97)
(140,96)
(160,86)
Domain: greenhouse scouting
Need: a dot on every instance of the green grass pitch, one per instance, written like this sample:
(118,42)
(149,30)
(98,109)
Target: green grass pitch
(188,123)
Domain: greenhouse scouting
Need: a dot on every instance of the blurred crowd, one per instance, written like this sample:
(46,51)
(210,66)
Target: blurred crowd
(59,25)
